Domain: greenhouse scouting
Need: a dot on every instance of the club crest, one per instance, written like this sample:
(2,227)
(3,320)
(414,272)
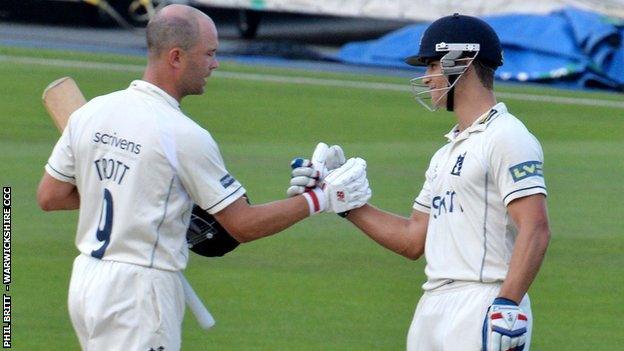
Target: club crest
(456,171)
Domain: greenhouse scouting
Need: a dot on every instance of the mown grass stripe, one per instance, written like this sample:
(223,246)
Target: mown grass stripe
(306,81)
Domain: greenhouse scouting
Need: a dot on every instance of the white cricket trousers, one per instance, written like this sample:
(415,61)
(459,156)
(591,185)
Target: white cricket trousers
(450,318)
(119,306)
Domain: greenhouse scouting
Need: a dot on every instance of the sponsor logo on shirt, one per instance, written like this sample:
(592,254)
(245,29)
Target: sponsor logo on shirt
(445,204)
(227,180)
(526,169)
(112,140)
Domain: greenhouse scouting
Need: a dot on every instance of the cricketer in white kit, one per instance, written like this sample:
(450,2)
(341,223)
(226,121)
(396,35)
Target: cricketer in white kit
(480,219)
(134,165)
(139,169)
(470,237)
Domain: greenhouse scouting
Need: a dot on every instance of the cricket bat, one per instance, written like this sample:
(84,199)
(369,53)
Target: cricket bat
(61,98)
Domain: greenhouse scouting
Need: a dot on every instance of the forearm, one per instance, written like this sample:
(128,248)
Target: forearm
(391,231)
(526,260)
(254,222)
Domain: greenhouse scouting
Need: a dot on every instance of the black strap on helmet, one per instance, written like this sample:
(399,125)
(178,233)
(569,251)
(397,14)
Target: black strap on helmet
(450,96)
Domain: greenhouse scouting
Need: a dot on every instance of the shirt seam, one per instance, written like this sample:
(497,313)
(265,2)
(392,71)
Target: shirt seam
(162,220)
(484,230)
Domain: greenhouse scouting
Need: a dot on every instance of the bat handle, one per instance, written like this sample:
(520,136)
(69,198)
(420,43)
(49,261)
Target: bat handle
(204,318)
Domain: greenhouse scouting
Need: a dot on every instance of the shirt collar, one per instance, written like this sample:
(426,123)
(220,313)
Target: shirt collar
(154,91)
(478,125)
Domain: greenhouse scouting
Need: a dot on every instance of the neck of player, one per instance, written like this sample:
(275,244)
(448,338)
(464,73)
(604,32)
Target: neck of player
(472,100)
(154,75)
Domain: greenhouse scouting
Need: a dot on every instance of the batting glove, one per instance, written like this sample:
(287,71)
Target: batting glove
(344,189)
(335,157)
(306,174)
(504,327)
(303,177)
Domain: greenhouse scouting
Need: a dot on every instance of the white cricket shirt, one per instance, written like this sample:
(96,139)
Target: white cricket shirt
(469,183)
(139,165)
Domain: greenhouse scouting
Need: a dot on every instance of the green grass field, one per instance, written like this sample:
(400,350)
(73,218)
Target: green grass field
(322,285)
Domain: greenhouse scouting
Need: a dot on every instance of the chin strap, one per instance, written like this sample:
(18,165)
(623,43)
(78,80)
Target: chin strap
(450,96)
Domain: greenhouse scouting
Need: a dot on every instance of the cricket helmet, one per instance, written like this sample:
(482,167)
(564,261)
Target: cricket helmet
(456,41)
(459,29)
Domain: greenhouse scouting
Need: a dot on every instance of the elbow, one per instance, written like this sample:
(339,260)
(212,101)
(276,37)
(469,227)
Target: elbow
(543,234)
(237,234)
(547,235)
(414,246)
(241,237)
(45,208)
(539,237)
(243,234)
(411,257)
(545,238)
(413,254)
(44,201)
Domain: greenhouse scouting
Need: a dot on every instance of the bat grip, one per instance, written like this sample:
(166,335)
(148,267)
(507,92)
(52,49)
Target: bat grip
(204,318)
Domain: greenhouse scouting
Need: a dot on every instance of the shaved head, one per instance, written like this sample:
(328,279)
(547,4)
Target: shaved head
(174,26)
(182,45)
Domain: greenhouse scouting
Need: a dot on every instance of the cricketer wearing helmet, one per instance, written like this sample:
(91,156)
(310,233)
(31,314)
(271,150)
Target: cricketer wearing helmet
(480,218)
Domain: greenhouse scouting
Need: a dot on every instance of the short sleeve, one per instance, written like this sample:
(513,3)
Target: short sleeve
(422,202)
(202,172)
(61,164)
(517,164)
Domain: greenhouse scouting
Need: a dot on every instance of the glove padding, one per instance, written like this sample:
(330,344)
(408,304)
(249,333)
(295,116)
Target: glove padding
(306,174)
(346,187)
(303,177)
(335,157)
(206,237)
(504,327)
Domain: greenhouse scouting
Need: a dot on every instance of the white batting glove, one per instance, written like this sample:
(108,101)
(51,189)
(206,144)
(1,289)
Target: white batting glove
(344,189)
(303,177)
(306,174)
(504,327)
(347,186)
(335,157)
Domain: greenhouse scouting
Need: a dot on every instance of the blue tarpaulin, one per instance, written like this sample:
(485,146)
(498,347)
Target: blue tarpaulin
(570,47)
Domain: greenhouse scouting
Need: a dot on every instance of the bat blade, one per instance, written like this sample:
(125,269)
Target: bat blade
(61,98)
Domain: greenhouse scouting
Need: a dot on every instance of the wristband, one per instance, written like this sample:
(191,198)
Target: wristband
(316,200)
(504,301)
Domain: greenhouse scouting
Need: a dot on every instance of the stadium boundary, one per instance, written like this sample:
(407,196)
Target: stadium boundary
(304,80)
